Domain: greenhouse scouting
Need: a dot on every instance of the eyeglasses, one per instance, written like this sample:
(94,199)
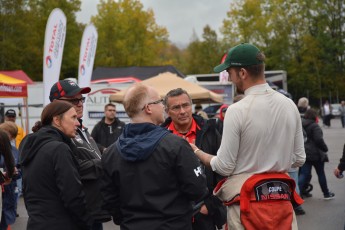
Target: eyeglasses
(153,103)
(74,101)
(177,108)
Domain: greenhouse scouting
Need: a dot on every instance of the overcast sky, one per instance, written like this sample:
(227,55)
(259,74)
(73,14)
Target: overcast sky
(180,17)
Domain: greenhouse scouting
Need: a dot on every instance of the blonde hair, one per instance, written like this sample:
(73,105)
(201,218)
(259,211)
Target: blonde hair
(134,98)
(303,102)
(10,127)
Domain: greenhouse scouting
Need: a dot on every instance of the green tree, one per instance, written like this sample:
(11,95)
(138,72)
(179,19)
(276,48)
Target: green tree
(128,35)
(12,33)
(39,12)
(203,56)
(305,38)
(22,30)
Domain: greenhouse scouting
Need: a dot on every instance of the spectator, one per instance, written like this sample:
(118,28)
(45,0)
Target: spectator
(86,152)
(11,115)
(10,194)
(314,148)
(6,154)
(220,120)
(205,135)
(197,108)
(150,175)
(327,114)
(342,113)
(303,105)
(53,193)
(341,167)
(108,129)
(251,142)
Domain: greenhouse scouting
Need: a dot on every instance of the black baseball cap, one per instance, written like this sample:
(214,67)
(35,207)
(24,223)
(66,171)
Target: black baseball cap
(10,113)
(66,88)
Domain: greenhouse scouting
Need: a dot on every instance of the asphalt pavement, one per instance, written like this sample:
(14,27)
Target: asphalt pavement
(320,214)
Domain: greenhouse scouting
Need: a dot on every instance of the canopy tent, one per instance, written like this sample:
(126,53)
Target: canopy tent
(14,88)
(18,74)
(108,74)
(165,82)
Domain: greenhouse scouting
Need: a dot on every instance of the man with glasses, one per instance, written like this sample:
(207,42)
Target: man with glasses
(254,142)
(86,153)
(150,176)
(195,129)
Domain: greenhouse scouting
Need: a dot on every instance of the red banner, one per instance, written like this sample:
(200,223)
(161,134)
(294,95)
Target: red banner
(13,90)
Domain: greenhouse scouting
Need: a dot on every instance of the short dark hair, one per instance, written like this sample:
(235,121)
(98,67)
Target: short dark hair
(254,70)
(109,104)
(310,114)
(175,93)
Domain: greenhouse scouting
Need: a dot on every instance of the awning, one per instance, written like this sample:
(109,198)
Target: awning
(12,87)
(165,82)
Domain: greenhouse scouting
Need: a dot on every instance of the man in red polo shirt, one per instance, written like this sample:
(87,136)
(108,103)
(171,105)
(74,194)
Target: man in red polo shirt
(195,129)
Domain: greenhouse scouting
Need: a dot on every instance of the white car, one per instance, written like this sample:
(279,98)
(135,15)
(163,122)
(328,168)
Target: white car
(335,110)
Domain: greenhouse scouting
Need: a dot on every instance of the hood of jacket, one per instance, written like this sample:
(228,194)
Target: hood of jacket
(138,141)
(34,142)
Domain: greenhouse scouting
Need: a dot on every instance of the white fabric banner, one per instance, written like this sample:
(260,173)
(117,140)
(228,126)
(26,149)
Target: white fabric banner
(87,55)
(54,42)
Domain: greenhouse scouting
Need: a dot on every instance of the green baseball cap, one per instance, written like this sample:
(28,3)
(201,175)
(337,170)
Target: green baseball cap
(244,54)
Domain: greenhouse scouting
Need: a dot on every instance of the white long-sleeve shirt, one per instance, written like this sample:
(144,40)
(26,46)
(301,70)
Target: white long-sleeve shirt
(262,133)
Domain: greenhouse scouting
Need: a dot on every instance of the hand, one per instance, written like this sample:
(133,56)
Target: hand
(337,173)
(204,210)
(7,179)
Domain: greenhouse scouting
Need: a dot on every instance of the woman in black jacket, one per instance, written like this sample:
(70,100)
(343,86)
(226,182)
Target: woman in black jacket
(315,149)
(52,189)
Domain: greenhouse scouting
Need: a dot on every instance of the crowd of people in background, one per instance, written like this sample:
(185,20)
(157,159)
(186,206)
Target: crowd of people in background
(170,167)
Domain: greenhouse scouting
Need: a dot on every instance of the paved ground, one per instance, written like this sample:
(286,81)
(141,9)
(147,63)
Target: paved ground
(320,214)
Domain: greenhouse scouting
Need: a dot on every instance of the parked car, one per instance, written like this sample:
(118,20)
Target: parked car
(335,110)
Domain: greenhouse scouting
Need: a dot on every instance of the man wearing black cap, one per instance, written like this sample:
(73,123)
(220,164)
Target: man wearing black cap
(255,145)
(11,115)
(87,153)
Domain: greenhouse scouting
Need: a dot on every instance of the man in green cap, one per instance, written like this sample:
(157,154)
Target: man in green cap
(262,134)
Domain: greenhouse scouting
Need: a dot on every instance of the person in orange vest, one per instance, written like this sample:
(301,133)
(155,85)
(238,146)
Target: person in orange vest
(11,115)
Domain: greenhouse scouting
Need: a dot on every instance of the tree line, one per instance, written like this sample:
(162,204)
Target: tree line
(304,38)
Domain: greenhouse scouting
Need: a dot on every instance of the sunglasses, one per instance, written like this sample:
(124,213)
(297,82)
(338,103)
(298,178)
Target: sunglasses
(74,101)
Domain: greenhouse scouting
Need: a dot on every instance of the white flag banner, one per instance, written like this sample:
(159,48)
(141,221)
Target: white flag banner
(86,59)
(54,42)
(87,55)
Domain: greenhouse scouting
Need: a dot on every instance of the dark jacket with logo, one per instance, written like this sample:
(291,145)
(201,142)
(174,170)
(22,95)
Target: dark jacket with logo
(105,134)
(315,141)
(151,178)
(88,157)
(208,140)
(52,189)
